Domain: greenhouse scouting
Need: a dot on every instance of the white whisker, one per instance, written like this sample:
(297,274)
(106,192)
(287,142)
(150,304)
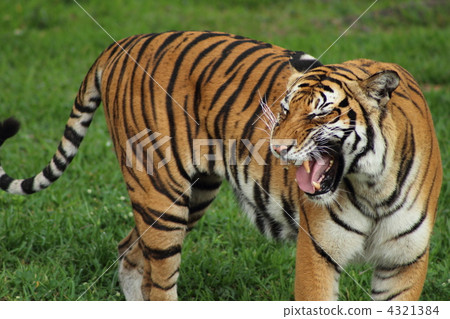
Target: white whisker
(265,131)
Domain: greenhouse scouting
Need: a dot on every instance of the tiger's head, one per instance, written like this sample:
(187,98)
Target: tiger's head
(328,126)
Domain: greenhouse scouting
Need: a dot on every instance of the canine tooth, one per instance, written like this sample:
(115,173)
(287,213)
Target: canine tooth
(316,185)
(307,168)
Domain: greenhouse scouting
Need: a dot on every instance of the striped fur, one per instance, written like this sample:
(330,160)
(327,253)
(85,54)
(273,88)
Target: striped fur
(377,203)
(171,93)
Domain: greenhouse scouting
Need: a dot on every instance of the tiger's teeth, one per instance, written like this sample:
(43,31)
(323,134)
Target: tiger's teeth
(306,166)
(316,185)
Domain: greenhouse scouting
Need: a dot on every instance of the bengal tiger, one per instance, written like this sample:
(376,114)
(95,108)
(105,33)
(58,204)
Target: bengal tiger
(355,177)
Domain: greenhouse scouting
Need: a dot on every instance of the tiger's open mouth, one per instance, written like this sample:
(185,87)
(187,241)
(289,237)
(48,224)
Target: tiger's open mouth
(320,176)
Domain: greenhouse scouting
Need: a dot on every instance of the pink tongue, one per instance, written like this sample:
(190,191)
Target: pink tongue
(305,180)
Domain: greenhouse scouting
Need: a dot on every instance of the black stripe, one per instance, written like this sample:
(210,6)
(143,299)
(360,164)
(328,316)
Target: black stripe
(160,254)
(198,95)
(206,186)
(204,54)
(406,163)
(147,211)
(132,264)
(370,141)
(143,48)
(341,223)
(125,48)
(378,292)
(63,153)
(303,64)
(174,273)
(97,84)
(5,181)
(194,218)
(378,276)
(167,217)
(169,101)
(116,48)
(255,91)
(224,111)
(335,67)
(317,248)
(394,267)
(155,285)
(275,227)
(96,100)
(344,103)
(172,37)
(109,81)
(328,89)
(396,294)
(72,135)
(332,80)
(86,123)
(160,185)
(74,116)
(150,220)
(225,53)
(245,54)
(249,126)
(412,228)
(200,206)
(27,185)
(217,95)
(354,200)
(48,173)
(289,213)
(125,244)
(83,109)
(267,175)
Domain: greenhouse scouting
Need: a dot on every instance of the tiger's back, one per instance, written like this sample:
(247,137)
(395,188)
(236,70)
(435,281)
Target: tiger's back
(187,110)
(203,91)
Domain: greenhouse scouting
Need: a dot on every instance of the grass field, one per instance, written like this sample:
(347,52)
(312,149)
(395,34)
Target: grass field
(56,244)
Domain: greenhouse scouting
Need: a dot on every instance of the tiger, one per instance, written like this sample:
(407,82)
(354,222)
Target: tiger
(340,158)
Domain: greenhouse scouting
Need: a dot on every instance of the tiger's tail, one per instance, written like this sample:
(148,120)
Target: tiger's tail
(86,103)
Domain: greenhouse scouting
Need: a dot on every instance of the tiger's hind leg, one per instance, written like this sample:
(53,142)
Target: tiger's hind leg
(131,266)
(403,283)
(161,217)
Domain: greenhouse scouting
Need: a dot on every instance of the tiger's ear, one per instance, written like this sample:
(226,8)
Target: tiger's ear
(380,86)
(299,63)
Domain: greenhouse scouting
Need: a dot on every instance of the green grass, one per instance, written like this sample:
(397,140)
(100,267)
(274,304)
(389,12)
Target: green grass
(55,244)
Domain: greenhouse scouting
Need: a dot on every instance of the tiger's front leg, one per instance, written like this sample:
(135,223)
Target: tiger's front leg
(400,283)
(327,242)
(316,276)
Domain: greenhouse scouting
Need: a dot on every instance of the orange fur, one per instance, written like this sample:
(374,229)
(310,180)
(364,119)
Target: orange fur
(172,92)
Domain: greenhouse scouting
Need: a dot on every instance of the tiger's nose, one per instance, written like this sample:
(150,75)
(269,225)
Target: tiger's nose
(280,148)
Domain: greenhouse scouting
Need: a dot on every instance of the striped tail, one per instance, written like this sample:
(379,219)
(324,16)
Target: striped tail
(86,103)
